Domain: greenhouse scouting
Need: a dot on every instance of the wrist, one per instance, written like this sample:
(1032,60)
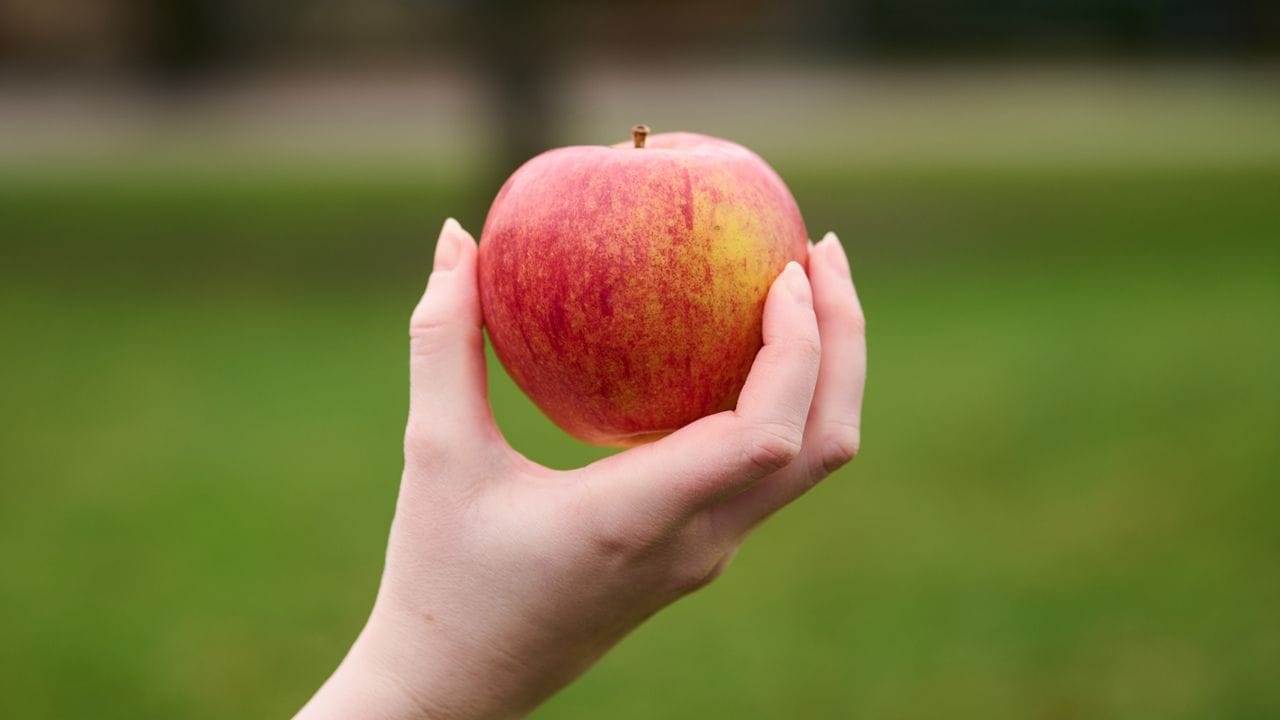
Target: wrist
(363,688)
(384,678)
(399,669)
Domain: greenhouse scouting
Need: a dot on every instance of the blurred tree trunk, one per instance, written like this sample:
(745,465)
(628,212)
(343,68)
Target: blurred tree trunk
(513,43)
(184,42)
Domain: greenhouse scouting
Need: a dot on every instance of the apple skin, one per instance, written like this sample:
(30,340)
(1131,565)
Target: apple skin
(623,287)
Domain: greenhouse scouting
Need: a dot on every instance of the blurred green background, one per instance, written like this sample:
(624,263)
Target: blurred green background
(214,224)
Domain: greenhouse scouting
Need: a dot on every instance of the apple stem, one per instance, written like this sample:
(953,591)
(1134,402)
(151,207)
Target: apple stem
(639,133)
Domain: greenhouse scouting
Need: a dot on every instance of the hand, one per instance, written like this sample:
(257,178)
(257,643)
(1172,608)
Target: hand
(505,580)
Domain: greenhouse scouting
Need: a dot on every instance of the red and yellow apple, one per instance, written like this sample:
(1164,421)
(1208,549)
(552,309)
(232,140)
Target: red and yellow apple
(623,287)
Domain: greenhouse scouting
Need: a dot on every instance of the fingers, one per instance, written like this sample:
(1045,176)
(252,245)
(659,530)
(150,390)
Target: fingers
(833,429)
(776,396)
(720,454)
(448,397)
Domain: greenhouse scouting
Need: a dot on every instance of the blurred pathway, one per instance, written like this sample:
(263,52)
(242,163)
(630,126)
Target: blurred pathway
(814,115)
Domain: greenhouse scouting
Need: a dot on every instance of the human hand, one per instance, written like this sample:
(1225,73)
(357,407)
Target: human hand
(505,580)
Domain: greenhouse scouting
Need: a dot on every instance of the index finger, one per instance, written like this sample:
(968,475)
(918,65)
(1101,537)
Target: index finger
(722,453)
(834,429)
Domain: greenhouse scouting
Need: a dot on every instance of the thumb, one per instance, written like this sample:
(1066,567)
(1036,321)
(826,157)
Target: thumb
(448,394)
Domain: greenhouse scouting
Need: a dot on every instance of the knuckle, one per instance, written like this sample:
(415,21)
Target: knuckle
(611,542)
(619,539)
(423,445)
(617,532)
(840,445)
(807,347)
(772,446)
(855,322)
(693,576)
(428,332)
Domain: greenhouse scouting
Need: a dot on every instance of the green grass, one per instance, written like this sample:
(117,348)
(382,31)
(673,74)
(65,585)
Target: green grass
(1065,505)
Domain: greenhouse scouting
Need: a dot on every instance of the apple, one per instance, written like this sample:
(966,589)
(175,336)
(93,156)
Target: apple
(623,286)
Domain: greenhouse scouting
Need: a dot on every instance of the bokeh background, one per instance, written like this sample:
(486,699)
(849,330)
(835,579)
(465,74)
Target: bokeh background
(1064,222)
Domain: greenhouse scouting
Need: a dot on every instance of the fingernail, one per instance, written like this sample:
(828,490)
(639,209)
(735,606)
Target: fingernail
(839,260)
(798,283)
(449,246)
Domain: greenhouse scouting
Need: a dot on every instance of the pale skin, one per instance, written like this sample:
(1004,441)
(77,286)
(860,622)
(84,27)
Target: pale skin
(505,580)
